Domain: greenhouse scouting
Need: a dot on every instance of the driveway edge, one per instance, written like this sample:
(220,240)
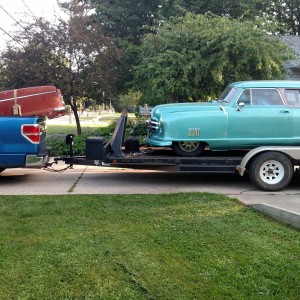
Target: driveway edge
(280,214)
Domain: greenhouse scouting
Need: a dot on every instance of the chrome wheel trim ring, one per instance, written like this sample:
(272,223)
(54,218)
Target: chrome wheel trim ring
(188,146)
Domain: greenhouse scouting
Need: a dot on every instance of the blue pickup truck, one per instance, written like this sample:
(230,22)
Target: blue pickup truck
(23,142)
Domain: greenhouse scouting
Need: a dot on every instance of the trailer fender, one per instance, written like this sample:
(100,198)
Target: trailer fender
(291,151)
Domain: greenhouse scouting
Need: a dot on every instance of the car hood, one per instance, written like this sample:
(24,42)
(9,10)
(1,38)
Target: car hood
(165,109)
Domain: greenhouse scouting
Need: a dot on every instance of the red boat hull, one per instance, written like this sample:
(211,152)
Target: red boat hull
(33,101)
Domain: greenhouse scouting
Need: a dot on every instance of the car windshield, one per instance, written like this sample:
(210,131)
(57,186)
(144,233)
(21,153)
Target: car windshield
(228,95)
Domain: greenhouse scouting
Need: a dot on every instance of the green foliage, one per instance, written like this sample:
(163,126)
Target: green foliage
(244,9)
(130,20)
(125,20)
(285,13)
(196,57)
(59,146)
(130,99)
(172,246)
(136,128)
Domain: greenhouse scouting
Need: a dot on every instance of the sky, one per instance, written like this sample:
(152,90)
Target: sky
(24,10)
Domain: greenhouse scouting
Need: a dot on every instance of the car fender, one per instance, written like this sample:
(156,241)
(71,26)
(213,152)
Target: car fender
(293,152)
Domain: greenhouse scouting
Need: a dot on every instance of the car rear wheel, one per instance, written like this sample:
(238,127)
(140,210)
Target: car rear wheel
(188,148)
(271,171)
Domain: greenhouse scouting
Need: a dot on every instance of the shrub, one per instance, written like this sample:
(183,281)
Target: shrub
(59,147)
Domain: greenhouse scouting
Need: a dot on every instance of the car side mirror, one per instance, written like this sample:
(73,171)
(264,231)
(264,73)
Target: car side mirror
(240,106)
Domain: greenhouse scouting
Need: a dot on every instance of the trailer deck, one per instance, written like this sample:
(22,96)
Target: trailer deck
(149,159)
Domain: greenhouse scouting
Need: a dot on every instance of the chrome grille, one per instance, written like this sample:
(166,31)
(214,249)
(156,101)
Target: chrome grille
(153,124)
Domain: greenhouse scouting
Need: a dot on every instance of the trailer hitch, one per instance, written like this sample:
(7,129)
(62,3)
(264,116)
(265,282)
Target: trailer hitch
(70,143)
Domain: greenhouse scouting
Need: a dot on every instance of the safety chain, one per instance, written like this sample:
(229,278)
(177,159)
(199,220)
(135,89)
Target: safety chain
(49,168)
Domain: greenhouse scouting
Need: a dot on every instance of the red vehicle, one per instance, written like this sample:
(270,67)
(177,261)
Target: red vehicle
(33,101)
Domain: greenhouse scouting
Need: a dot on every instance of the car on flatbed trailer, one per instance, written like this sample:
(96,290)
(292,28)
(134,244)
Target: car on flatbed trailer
(270,168)
(248,114)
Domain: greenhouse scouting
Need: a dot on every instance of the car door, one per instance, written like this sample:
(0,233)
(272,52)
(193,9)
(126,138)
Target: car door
(259,117)
(292,97)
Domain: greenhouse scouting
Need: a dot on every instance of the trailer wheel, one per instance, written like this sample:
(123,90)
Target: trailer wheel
(188,148)
(271,171)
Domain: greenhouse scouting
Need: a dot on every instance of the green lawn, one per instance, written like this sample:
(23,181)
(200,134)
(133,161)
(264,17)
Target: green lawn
(66,129)
(98,121)
(176,246)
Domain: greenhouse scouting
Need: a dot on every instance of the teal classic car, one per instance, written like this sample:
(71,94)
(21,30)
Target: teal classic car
(248,114)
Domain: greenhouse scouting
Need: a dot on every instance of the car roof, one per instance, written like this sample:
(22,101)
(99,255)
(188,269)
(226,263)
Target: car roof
(267,84)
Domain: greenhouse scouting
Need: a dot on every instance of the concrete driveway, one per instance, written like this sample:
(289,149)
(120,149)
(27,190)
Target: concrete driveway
(283,205)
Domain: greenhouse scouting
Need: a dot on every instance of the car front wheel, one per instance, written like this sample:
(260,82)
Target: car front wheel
(188,148)
(271,171)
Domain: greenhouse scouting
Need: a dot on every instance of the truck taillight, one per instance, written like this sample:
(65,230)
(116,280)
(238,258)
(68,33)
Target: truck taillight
(31,133)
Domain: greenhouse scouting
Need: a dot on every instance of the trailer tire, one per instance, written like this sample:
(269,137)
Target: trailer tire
(271,171)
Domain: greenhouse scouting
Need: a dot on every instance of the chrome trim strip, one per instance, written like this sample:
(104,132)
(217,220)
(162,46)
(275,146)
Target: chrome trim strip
(60,109)
(32,95)
(154,125)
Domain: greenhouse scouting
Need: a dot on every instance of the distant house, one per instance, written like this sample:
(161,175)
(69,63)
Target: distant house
(293,66)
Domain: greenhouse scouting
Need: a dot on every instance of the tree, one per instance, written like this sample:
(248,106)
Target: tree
(129,21)
(126,19)
(197,57)
(286,13)
(126,22)
(35,62)
(91,57)
(74,55)
(242,9)
(130,99)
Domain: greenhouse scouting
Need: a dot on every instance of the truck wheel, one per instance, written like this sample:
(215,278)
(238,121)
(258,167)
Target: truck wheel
(188,148)
(271,171)
(2,169)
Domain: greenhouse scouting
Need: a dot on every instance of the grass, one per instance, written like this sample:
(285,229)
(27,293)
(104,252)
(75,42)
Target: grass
(98,121)
(176,246)
(66,129)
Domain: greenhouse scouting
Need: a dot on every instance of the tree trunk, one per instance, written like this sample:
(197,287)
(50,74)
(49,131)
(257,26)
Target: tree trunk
(75,111)
(78,125)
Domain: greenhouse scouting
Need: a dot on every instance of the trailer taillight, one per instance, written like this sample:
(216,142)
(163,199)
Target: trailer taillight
(31,133)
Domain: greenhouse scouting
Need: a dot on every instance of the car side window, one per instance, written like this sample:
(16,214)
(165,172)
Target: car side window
(266,97)
(260,97)
(292,97)
(245,97)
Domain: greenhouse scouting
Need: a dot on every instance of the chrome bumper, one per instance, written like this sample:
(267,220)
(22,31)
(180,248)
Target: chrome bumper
(66,108)
(38,160)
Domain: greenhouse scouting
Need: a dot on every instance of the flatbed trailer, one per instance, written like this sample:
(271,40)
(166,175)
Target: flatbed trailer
(270,168)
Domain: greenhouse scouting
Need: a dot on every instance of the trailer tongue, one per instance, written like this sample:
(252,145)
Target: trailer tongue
(270,168)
